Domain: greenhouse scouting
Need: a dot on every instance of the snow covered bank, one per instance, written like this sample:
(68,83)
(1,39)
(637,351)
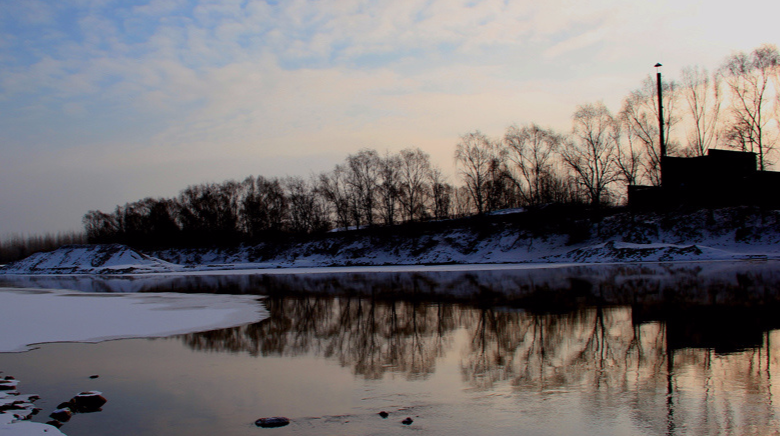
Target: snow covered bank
(34,316)
(89,259)
(727,234)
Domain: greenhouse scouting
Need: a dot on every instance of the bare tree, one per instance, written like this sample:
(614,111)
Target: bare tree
(738,134)
(592,155)
(628,156)
(264,206)
(306,211)
(462,202)
(477,156)
(442,193)
(333,188)
(703,96)
(362,176)
(749,78)
(209,213)
(531,149)
(640,118)
(501,188)
(100,227)
(415,171)
(389,187)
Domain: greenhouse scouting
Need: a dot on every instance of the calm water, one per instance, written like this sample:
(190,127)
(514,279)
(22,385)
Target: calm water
(628,350)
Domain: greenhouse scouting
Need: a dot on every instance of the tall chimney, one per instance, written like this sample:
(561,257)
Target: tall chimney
(661,120)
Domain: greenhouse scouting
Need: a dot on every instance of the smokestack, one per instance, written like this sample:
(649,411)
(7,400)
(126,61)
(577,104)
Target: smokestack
(661,119)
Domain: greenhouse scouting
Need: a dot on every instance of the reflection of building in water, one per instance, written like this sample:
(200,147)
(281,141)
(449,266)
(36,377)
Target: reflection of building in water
(616,363)
(617,360)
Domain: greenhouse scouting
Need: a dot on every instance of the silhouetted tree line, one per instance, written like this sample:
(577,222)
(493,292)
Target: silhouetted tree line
(18,247)
(530,166)
(736,107)
(366,190)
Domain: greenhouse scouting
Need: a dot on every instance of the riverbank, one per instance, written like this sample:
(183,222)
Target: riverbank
(705,235)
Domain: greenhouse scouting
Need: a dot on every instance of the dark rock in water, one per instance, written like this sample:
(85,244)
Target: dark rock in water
(89,401)
(16,405)
(10,377)
(407,421)
(274,421)
(68,405)
(56,424)
(9,384)
(384,414)
(94,376)
(61,415)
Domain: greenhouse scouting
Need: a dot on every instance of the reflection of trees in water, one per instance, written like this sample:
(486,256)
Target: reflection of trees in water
(549,351)
(728,393)
(682,356)
(370,336)
(615,363)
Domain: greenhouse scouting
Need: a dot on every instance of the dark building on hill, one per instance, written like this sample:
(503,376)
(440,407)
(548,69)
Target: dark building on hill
(721,178)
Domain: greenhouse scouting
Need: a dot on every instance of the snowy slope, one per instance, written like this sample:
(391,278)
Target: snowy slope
(90,259)
(728,234)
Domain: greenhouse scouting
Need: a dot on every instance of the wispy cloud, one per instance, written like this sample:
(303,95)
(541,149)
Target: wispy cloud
(234,84)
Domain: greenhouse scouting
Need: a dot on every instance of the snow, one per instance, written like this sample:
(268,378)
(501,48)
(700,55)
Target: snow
(35,316)
(112,258)
(727,234)
(13,423)
(507,211)
(29,317)
(27,428)
(483,254)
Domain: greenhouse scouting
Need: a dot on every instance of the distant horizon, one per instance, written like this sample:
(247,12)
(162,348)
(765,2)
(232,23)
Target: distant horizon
(109,102)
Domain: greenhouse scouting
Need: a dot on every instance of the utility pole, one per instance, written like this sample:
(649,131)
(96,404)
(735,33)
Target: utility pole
(661,120)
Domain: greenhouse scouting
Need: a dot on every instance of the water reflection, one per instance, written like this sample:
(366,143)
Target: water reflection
(678,349)
(659,360)
(370,336)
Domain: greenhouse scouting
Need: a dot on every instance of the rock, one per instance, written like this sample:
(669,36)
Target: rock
(68,405)
(384,414)
(14,405)
(56,424)
(61,415)
(407,421)
(9,384)
(274,421)
(89,401)
(94,376)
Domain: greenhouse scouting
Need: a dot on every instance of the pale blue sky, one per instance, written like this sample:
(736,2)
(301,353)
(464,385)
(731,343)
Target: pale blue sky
(105,102)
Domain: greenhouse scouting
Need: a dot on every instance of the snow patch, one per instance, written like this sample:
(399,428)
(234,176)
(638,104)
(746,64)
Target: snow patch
(30,316)
(13,422)
(93,259)
(627,252)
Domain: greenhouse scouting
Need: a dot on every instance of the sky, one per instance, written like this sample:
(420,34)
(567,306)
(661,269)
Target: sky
(104,102)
